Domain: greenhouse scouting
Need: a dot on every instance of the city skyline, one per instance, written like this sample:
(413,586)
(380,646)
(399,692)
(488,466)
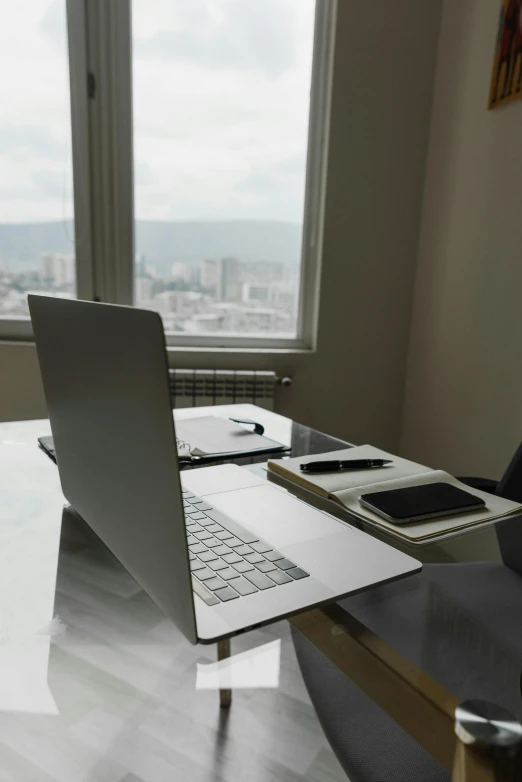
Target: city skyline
(220,95)
(226,295)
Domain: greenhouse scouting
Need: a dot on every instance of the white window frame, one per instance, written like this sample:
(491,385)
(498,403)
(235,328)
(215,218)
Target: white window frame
(100,66)
(20,328)
(313,219)
(101,110)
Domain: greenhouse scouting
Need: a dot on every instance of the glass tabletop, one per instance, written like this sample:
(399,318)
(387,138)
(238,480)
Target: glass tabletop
(460,622)
(460,619)
(302,440)
(97,685)
(84,650)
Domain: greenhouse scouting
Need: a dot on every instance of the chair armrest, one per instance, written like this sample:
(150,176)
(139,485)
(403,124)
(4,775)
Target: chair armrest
(483,484)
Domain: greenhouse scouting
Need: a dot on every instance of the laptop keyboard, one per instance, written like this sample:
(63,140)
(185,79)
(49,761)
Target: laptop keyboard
(228,561)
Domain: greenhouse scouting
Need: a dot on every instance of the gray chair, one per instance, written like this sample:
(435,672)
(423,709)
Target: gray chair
(369,745)
(509,486)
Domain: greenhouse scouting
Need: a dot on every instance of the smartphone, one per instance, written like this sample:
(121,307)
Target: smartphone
(417,503)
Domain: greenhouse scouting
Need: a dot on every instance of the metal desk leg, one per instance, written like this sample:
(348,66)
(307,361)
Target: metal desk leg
(225,696)
(488,746)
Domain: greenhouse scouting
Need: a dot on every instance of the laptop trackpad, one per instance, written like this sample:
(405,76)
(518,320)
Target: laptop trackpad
(274,515)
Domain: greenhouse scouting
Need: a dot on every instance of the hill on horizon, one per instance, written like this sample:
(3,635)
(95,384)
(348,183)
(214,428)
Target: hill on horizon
(162,243)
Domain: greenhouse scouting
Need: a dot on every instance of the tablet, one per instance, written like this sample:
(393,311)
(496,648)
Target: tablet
(416,503)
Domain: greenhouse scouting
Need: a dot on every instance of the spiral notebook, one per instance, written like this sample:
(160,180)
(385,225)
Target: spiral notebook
(208,438)
(211,437)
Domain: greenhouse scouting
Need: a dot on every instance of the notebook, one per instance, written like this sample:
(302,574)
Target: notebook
(210,436)
(346,487)
(207,438)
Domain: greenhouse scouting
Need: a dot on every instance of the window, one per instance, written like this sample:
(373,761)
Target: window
(36,226)
(198,154)
(221,108)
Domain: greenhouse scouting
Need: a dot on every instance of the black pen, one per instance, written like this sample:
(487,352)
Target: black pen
(348,464)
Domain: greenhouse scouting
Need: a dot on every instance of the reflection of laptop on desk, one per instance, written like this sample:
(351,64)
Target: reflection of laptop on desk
(226,553)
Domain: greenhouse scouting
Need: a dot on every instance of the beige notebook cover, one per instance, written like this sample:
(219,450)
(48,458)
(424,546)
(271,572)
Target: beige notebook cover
(346,487)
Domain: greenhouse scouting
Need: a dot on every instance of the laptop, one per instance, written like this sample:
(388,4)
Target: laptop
(222,551)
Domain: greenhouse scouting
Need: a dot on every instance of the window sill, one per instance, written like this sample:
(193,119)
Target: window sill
(272,351)
(204,357)
(281,360)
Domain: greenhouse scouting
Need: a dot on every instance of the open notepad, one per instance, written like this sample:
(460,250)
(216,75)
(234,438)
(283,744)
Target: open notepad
(346,487)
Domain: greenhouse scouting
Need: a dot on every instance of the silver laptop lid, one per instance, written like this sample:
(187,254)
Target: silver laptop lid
(105,377)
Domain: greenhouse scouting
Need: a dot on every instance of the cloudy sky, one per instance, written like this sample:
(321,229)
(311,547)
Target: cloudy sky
(221,98)
(34,120)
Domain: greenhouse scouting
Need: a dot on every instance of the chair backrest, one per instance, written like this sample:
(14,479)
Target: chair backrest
(510,486)
(509,532)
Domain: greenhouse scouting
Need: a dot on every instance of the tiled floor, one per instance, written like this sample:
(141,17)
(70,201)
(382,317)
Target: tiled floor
(115,697)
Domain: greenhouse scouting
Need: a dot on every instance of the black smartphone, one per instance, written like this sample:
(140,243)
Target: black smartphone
(417,503)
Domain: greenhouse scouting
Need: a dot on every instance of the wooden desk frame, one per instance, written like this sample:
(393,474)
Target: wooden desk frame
(417,703)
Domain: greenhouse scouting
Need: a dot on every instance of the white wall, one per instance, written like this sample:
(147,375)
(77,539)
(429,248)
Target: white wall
(384,72)
(463,395)
(353,385)
(21,392)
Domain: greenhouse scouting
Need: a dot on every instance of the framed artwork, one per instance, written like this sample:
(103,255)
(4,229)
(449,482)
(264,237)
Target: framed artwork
(506,79)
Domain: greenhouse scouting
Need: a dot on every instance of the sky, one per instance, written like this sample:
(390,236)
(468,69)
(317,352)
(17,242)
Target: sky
(221,101)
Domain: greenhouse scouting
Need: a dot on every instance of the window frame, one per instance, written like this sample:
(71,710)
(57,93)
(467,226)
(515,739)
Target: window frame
(100,50)
(19,328)
(313,217)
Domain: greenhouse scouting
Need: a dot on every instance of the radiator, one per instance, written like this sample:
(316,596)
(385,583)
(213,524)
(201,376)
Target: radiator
(200,387)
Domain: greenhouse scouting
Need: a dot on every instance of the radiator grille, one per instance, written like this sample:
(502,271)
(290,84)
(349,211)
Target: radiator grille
(201,387)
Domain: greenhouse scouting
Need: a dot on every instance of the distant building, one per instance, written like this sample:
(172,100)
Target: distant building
(264,271)
(208,274)
(229,284)
(205,323)
(57,269)
(140,265)
(67,270)
(47,267)
(195,275)
(144,288)
(253,293)
(184,304)
(183,271)
(259,320)
(167,301)
(285,297)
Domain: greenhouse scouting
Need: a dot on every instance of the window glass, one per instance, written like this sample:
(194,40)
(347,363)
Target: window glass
(221,105)
(36,211)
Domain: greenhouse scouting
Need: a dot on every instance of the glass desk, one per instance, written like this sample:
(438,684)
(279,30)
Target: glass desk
(85,651)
